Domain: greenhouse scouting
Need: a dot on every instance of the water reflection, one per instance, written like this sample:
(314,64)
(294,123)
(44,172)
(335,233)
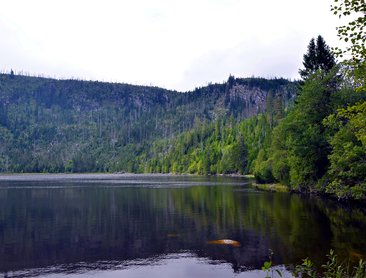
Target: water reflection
(105,223)
(171,265)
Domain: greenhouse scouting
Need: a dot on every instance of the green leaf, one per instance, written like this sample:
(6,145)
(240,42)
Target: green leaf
(267,264)
(279,273)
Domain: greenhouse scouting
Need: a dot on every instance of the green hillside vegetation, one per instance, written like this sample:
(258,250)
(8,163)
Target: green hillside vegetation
(49,125)
(223,146)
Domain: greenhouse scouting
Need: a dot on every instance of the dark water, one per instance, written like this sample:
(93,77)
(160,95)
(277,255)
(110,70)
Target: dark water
(159,226)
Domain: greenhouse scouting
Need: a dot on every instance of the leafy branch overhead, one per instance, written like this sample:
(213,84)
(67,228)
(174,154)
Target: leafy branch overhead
(353,32)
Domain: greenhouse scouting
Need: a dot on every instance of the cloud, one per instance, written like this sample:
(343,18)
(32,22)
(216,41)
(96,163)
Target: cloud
(278,58)
(169,43)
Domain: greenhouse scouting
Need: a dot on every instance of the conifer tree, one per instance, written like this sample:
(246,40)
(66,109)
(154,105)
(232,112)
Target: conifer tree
(309,61)
(318,57)
(324,57)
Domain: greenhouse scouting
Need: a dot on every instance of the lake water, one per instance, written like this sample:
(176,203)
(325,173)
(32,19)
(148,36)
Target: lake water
(163,226)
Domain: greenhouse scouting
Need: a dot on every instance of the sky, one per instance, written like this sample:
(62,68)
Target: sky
(174,44)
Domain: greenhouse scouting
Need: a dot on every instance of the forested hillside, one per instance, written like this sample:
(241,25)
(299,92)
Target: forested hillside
(49,125)
(223,146)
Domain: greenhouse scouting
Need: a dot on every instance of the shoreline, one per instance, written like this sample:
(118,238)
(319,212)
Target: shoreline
(272,187)
(269,187)
(125,174)
(100,176)
(280,188)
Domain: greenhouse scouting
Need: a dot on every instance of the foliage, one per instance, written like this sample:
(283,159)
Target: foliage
(263,169)
(332,268)
(305,269)
(354,30)
(353,33)
(347,170)
(49,125)
(317,58)
(267,268)
(347,161)
(220,147)
(298,153)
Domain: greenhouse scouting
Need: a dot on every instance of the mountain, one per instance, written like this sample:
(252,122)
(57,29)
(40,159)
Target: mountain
(49,125)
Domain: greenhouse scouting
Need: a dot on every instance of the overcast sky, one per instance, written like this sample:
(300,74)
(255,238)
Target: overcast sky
(175,44)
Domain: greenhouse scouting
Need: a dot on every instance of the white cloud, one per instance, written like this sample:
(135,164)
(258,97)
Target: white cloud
(175,44)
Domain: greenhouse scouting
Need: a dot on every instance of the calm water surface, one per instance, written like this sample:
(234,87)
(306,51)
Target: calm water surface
(160,226)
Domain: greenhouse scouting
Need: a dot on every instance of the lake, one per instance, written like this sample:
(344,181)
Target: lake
(101,225)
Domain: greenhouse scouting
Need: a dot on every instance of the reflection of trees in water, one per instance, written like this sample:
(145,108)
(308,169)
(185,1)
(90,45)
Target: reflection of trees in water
(40,227)
(348,226)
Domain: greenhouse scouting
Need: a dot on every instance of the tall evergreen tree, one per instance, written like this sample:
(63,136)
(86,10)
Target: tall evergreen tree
(325,58)
(318,57)
(309,61)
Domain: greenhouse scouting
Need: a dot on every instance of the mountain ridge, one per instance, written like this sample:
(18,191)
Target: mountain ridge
(53,122)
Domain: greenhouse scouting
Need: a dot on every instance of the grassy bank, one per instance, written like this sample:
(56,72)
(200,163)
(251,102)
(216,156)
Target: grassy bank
(273,187)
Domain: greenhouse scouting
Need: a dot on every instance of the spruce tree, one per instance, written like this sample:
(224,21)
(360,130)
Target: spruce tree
(309,61)
(317,57)
(325,58)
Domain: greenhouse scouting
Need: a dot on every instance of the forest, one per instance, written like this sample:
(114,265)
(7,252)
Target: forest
(49,125)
